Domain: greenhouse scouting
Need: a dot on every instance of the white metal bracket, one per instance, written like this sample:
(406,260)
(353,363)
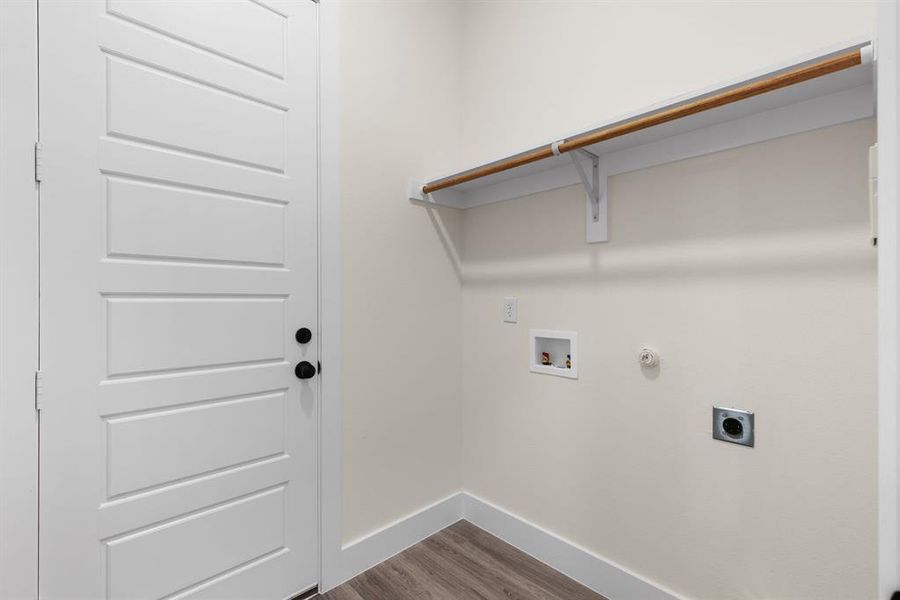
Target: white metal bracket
(592,186)
(595,188)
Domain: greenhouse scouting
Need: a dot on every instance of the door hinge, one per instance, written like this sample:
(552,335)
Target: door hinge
(38,168)
(38,390)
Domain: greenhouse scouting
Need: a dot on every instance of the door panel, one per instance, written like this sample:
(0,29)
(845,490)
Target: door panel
(178,554)
(168,449)
(211,331)
(152,221)
(178,256)
(210,24)
(149,105)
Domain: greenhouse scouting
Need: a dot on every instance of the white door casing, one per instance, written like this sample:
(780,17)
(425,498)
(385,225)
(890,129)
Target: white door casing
(887,52)
(178,257)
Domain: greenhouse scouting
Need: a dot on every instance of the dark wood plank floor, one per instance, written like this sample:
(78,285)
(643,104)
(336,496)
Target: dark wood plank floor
(461,562)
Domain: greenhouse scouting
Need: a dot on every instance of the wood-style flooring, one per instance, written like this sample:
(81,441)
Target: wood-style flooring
(461,562)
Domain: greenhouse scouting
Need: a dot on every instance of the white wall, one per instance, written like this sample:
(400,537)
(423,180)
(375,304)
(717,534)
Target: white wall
(752,274)
(538,70)
(401,295)
(749,270)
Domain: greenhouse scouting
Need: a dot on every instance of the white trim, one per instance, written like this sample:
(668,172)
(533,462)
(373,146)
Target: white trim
(887,64)
(599,574)
(330,505)
(364,553)
(18,300)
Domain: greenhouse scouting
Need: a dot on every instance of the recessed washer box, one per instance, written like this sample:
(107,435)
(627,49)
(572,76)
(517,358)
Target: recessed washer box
(560,347)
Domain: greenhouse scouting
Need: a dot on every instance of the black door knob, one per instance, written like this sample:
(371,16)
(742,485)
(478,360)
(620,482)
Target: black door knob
(303,335)
(305,370)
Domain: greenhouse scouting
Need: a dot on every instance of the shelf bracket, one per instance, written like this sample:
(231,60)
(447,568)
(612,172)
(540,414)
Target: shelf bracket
(595,188)
(592,187)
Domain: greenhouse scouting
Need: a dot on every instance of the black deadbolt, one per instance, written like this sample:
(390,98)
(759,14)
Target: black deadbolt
(305,370)
(303,335)
(733,427)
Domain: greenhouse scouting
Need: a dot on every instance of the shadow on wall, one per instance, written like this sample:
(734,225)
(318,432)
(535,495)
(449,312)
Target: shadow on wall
(770,209)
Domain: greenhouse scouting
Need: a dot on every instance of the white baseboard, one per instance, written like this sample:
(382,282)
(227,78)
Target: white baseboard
(366,552)
(601,575)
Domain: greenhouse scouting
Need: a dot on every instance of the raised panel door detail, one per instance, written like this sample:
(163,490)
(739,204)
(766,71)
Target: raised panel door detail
(212,332)
(151,449)
(159,108)
(150,220)
(208,25)
(164,559)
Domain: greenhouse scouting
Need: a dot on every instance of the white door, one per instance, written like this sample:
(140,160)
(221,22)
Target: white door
(178,258)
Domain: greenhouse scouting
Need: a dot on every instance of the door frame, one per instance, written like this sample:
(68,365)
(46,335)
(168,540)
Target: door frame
(888,89)
(331,571)
(18,300)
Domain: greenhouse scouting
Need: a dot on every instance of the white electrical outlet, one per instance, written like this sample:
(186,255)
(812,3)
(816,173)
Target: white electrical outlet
(510,310)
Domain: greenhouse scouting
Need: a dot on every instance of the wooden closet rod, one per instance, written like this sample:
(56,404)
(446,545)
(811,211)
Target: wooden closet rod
(742,92)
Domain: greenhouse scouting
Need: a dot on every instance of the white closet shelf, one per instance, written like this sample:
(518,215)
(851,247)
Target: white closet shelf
(814,91)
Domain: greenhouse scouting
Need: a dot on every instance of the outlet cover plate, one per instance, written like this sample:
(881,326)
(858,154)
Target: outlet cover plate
(722,431)
(510,310)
